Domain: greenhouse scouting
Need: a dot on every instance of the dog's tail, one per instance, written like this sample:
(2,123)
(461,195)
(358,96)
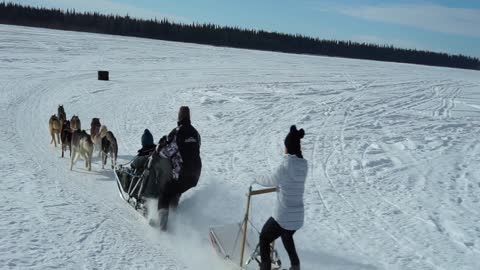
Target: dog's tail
(87,137)
(89,140)
(103,131)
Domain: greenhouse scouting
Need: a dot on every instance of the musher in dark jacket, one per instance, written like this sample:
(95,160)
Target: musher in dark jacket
(183,149)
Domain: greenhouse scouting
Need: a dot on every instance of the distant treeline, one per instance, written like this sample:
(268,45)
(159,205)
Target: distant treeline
(222,36)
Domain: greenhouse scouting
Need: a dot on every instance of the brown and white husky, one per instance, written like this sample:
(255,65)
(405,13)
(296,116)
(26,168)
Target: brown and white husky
(109,146)
(81,145)
(54,127)
(75,123)
(97,139)
(95,127)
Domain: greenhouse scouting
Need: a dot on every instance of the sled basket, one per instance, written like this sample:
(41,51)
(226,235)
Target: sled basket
(238,242)
(227,241)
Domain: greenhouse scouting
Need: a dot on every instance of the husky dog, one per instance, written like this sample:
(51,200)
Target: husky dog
(66,137)
(97,139)
(54,128)
(109,145)
(75,123)
(95,127)
(81,145)
(61,114)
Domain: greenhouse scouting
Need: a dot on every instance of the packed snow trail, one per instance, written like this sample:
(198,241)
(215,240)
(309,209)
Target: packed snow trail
(393,153)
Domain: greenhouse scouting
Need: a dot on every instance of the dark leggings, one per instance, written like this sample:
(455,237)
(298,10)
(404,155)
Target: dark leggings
(175,188)
(271,231)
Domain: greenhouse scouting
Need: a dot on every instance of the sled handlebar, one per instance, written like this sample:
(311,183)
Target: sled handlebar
(245,220)
(261,191)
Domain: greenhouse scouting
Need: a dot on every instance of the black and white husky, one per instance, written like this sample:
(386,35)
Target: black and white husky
(66,137)
(109,146)
(81,145)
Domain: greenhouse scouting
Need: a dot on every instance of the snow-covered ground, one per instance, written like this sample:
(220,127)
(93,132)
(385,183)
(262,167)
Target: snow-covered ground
(393,149)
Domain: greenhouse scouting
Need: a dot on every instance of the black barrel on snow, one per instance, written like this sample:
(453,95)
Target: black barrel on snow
(103,75)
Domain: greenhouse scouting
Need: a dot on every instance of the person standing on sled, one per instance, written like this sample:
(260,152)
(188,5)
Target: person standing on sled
(183,150)
(289,179)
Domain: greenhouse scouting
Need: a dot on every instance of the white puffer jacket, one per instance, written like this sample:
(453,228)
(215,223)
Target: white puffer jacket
(289,179)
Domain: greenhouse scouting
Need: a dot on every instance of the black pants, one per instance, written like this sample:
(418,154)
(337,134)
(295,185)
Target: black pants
(271,231)
(168,200)
(174,189)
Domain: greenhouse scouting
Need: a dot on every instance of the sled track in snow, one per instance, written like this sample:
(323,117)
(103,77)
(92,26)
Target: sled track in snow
(91,238)
(382,224)
(392,149)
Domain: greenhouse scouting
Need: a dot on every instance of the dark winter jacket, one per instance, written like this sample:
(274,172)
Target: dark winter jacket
(143,153)
(141,159)
(146,150)
(183,148)
(189,141)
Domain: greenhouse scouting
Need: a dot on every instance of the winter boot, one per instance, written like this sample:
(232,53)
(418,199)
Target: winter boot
(295,267)
(163,218)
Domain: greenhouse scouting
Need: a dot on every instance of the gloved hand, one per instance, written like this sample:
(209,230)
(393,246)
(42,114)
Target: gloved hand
(162,142)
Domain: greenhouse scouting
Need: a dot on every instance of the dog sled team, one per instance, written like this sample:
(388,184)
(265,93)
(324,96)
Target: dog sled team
(69,134)
(164,171)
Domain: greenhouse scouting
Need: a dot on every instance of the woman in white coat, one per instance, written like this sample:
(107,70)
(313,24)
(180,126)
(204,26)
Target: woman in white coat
(289,179)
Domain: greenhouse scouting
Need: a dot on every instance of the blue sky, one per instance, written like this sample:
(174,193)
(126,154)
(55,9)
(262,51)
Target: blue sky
(442,25)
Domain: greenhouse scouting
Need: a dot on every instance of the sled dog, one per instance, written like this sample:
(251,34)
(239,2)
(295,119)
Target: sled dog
(75,123)
(81,145)
(95,127)
(66,137)
(109,146)
(62,116)
(54,128)
(97,139)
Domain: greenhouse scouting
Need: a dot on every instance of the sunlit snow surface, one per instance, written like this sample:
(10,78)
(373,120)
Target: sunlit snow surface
(393,150)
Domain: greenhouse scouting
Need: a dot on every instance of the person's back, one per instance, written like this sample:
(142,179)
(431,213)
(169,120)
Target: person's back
(189,142)
(289,211)
(183,148)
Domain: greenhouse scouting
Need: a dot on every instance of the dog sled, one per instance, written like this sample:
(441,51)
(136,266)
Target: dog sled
(237,243)
(131,184)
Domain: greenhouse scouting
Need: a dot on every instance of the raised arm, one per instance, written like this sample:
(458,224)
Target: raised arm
(272,179)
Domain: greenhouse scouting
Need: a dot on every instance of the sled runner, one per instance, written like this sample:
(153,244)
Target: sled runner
(238,243)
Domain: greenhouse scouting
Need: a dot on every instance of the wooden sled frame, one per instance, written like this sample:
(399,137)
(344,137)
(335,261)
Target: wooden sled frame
(243,226)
